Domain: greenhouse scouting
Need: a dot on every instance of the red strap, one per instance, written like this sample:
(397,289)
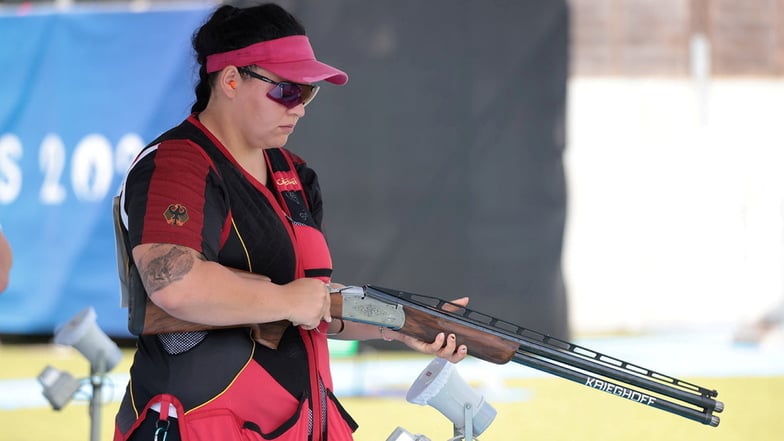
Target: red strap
(166,403)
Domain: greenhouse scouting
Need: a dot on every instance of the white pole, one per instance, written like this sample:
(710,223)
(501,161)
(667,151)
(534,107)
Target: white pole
(96,379)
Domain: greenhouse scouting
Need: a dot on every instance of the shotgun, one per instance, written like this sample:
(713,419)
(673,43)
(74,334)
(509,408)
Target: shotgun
(490,339)
(423,317)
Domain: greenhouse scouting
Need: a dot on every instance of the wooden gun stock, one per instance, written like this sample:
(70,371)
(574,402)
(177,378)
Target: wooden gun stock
(150,319)
(157,321)
(418,324)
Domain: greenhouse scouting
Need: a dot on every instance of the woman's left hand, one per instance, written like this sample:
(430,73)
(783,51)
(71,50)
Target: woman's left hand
(444,346)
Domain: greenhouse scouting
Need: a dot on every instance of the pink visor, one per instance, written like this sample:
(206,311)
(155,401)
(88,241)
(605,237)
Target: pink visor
(291,58)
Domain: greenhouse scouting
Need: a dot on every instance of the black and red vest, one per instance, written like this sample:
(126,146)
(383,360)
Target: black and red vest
(249,377)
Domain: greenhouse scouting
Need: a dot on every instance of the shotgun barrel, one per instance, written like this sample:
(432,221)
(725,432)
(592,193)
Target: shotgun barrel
(555,356)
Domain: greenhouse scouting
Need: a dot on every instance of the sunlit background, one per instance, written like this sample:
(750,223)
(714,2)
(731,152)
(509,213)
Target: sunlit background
(606,171)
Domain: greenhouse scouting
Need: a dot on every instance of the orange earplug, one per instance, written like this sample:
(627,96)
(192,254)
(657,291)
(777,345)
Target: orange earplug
(232,84)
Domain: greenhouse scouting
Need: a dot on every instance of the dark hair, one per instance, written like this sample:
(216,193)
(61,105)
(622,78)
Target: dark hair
(230,28)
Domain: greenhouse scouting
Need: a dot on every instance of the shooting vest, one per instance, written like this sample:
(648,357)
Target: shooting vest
(233,413)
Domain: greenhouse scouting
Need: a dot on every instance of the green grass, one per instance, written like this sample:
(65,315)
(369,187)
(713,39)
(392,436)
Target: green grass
(554,410)
(559,410)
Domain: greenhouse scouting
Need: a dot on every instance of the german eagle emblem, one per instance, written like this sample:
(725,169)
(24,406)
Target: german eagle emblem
(176,214)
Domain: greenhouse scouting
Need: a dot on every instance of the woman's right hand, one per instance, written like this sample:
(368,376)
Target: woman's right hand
(310,302)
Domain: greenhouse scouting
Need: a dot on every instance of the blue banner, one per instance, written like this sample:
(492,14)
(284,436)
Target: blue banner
(81,92)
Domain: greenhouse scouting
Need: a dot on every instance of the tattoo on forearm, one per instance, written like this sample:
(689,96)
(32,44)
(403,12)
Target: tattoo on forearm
(164,270)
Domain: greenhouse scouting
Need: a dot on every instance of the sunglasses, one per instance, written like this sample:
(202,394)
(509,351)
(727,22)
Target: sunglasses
(285,92)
